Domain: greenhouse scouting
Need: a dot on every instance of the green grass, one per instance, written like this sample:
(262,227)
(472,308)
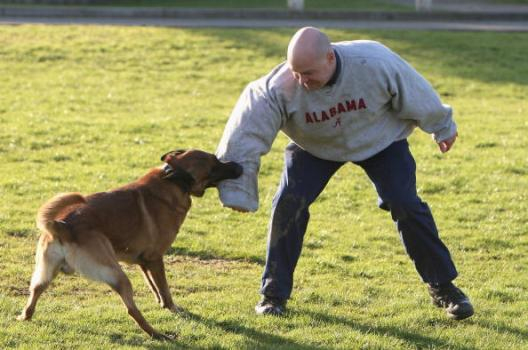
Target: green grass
(87,108)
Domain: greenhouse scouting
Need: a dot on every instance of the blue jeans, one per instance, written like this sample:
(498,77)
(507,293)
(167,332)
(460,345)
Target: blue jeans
(392,171)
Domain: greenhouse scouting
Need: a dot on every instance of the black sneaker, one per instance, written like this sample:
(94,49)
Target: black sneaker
(452,299)
(270,306)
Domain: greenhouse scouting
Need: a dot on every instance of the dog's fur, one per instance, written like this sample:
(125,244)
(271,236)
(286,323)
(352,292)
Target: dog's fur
(135,224)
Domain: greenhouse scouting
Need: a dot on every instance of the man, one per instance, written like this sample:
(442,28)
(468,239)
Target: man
(344,102)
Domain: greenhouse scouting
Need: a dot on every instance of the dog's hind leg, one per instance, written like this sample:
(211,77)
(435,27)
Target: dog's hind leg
(95,258)
(155,272)
(48,260)
(121,284)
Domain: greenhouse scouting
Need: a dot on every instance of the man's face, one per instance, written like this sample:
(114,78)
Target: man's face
(312,75)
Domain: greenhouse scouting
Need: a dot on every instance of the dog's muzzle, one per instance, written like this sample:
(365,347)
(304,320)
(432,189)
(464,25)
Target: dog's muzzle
(225,171)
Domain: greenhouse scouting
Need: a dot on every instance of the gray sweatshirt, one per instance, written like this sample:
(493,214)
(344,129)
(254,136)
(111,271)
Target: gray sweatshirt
(377,99)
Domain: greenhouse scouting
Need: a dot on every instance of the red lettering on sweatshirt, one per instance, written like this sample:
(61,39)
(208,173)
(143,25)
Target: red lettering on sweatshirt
(361,104)
(340,107)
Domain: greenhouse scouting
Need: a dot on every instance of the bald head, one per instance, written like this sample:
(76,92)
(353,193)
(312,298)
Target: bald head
(308,44)
(311,58)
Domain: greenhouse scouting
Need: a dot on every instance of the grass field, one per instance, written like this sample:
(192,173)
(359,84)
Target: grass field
(87,108)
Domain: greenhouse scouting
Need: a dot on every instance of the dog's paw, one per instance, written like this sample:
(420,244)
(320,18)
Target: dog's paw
(164,337)
(175,309)
(23,317)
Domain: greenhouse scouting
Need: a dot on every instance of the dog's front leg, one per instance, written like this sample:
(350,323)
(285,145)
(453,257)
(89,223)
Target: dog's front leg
(154,271)
(150,282)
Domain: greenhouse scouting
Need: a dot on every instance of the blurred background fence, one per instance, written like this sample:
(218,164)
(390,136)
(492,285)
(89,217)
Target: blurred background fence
(419,5)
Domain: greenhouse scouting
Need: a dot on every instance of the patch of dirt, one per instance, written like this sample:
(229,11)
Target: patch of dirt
(17,291)
(213,262)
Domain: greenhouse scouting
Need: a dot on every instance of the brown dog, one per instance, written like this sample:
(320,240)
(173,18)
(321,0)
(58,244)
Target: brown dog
(135,224)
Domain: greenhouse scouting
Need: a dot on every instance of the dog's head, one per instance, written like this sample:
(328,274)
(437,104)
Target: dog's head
(198,170)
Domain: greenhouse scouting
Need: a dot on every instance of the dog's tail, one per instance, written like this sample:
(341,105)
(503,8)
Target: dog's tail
(47,214)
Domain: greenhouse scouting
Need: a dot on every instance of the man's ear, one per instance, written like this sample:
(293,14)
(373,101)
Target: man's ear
(330,55)
(172,153)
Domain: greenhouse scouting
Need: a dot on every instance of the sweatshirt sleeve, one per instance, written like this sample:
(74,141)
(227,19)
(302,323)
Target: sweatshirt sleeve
(414,98)
(249,134)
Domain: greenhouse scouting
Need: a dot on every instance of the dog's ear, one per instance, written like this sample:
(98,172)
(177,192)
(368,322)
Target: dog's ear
(172,153)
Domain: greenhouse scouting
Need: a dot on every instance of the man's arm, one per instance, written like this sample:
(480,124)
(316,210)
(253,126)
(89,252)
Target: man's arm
(249,134)
(414,98)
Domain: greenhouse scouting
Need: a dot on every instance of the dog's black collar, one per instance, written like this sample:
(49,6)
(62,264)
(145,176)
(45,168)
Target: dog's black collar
(178,176)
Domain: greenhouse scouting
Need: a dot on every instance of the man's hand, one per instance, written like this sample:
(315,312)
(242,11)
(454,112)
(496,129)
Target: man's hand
(447,144)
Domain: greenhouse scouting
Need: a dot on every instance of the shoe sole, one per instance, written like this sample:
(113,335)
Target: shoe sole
(459,317)
(456,317)
(269,311)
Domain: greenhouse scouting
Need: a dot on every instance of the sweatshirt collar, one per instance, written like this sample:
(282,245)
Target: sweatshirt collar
(334,77)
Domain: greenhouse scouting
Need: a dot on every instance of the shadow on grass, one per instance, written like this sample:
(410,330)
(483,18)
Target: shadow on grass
(461,54)
(142,342)
(267,340)
(255,339)
(262,42)
(414,339)
(208,255)
(503,328)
